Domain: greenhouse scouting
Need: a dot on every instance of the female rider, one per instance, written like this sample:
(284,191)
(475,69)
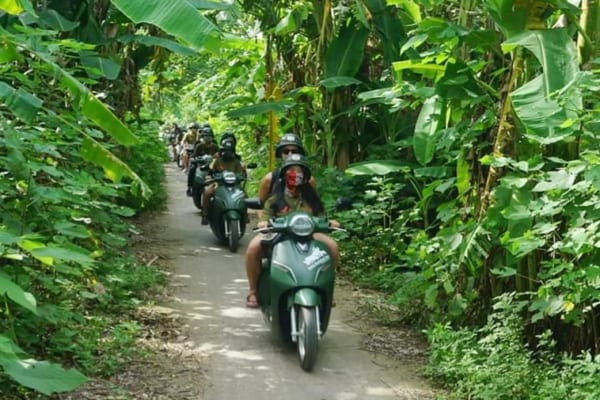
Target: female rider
(292,192)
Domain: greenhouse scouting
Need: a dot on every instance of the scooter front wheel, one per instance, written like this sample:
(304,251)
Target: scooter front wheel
(308,337)
(197,192)
(234,235)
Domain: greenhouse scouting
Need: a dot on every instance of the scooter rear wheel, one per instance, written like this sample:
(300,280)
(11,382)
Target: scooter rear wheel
(308,337)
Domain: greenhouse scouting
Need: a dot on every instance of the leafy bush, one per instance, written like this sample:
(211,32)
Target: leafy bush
(146,159)
(492,363)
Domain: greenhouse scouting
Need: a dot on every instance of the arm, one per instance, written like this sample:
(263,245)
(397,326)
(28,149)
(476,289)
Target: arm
(265,214)
(264,186)
(264,191)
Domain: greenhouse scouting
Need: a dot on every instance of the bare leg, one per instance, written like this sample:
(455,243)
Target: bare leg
(253,259)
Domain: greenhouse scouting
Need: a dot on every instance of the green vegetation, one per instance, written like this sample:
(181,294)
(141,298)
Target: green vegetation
(465,133)
(70,184)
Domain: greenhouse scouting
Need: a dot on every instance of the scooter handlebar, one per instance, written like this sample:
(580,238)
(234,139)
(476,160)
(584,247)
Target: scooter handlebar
(281,224)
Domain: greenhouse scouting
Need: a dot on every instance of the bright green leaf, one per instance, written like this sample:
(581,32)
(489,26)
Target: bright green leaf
(113,167)
(11,6)
(557,180)
(16,294)
(534,103)
(22,103)
(339,81)
(345,53)
(261,108)
(433,172)
(427,129)
(42,376)
(504,272)
(382,167)
(178,18)
(431,295)
(62,254)
(103,66)
(158,41)
(30,246)
(516,212)
(286,25)
(54,20)
(512,181)
(520,247)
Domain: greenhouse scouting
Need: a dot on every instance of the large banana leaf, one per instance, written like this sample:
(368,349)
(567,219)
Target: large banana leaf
(378,167)
(178,18)
(338,81)
(261,108)
(345,53)
(427,129)
(389,27)
(54,20)
(515,16)
(158,41)
(545,116)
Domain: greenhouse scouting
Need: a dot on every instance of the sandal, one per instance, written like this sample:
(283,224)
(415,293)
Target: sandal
(251,301)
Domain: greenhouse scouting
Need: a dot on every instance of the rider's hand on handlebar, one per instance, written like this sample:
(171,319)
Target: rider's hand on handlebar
(262,224)
(334,223)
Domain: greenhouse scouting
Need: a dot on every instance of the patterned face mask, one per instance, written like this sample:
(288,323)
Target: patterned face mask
(294,178)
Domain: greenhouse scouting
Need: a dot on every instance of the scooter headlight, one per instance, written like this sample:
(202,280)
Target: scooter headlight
(229,177)
(301,225)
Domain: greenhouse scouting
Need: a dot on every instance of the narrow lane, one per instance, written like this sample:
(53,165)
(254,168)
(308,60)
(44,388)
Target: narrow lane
(244,361)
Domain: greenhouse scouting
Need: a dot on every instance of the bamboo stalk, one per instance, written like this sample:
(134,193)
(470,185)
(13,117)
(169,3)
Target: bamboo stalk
(505,133)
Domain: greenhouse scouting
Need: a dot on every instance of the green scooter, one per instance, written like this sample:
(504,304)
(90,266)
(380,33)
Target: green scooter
(295,287)
(202,166)
(227,212)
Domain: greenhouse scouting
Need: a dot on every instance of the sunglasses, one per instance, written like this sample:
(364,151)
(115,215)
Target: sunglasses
(288,151)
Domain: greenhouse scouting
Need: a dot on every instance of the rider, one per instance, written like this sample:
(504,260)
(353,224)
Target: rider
(187,144)
(205,146)
(288,144)
(226,161)
(175,135)
(228,136)
(291,192)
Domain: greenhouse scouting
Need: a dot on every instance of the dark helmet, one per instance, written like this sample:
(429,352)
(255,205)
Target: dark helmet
(207,131)
(297,159)
(289,139)
(205,125)
(193,125)
(227,150)
(230,137)
(227,145)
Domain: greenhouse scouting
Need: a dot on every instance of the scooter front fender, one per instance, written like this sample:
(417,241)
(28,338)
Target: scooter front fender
(306,297)
(232,215)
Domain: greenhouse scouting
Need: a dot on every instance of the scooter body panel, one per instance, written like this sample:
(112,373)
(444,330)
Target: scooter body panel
(296,273)
(227,204)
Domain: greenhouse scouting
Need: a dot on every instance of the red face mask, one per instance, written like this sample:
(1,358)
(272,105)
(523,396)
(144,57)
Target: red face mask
(294,178)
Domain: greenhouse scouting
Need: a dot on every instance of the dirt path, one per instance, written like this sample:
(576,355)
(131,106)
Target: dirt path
(212,347)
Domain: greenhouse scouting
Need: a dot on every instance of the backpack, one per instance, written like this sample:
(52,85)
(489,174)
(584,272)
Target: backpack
(275,177)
